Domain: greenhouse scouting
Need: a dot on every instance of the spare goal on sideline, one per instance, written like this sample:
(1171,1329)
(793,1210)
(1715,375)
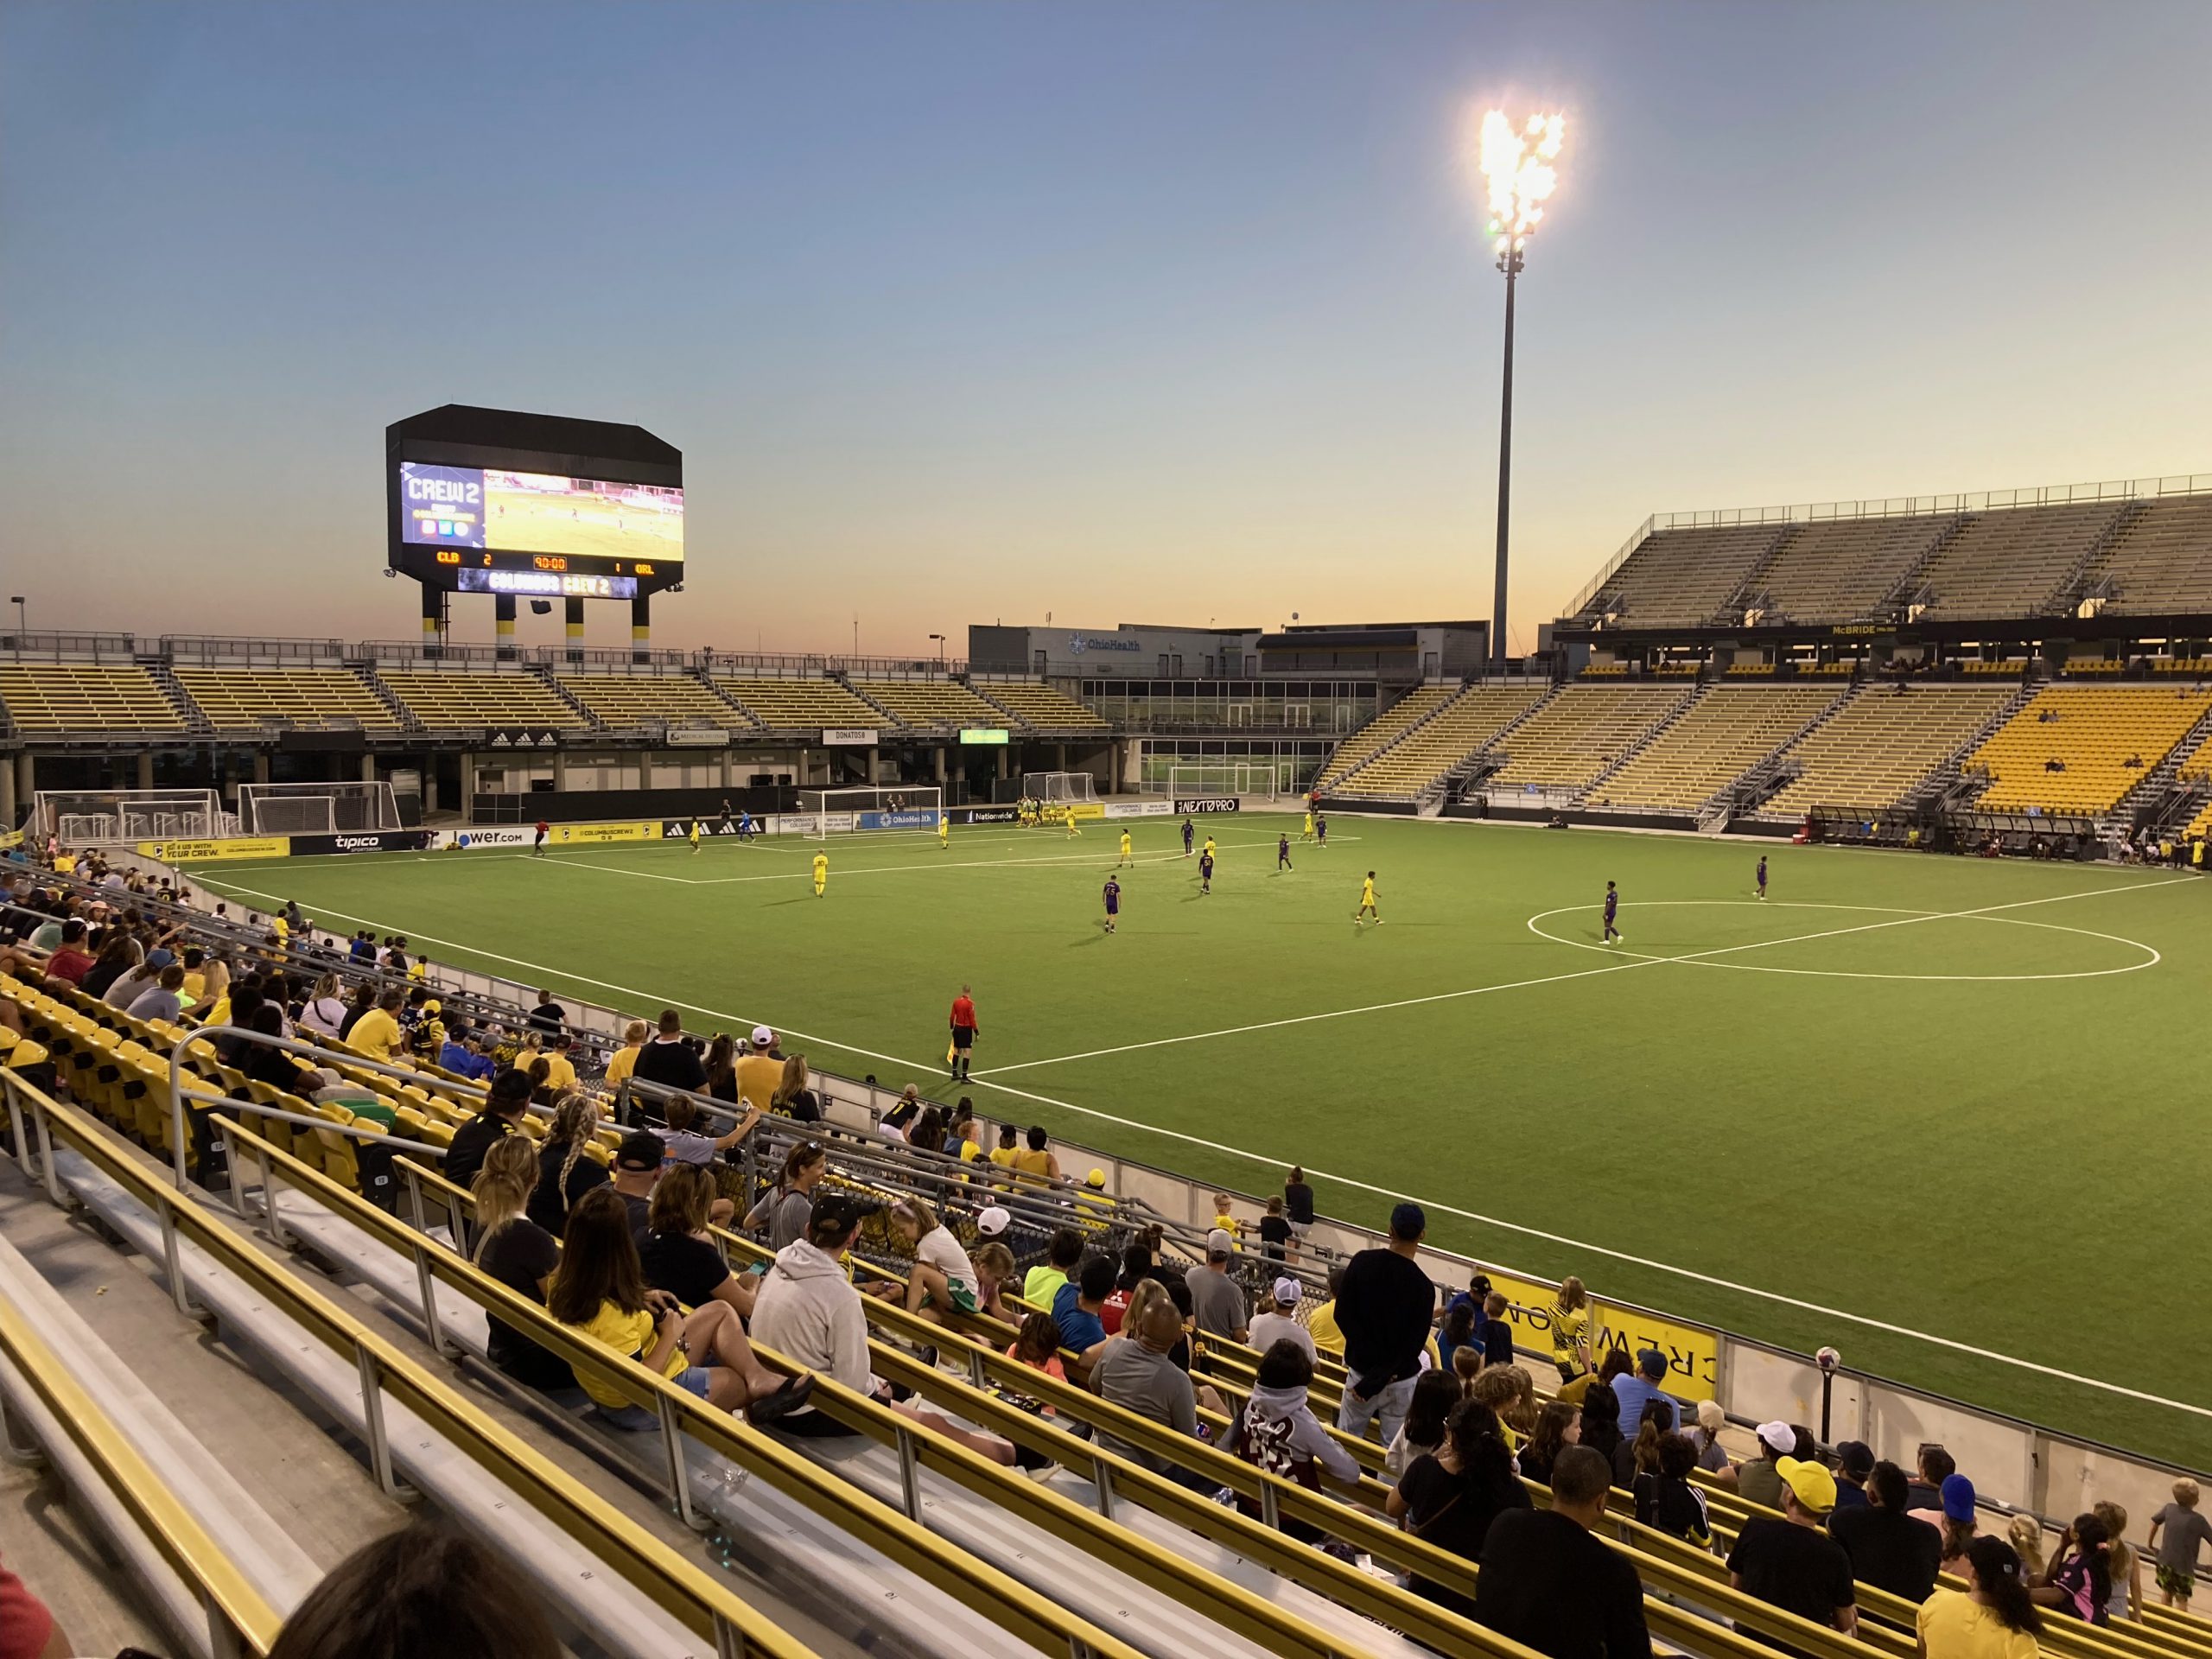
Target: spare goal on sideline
(825,812)
(1058,788)
(86,817)
(316,809)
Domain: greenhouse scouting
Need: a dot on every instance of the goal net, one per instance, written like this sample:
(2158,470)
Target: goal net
(1224,778)
(316,809)
(86,817)
(1057,787)
(825,812)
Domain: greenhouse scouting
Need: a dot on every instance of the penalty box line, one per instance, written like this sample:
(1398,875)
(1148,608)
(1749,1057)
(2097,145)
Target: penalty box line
(1692,1274)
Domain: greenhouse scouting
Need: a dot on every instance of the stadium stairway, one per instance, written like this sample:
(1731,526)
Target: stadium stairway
(545,677)
(845,680)
(386,696)
(195,717)
(2188,755)
(1389,727)
(1650,734)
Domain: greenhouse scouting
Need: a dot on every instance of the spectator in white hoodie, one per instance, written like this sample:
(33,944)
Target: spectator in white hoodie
(1277,1432)
(808,1312)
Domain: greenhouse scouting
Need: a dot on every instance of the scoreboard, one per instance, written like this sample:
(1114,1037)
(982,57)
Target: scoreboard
(497,501)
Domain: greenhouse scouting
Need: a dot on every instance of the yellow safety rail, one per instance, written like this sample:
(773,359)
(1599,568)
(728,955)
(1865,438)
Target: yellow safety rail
(699,1599)
(233,1605)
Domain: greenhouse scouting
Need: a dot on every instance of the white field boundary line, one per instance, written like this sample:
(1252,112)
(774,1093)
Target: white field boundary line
(1555,979)
(1691,1275)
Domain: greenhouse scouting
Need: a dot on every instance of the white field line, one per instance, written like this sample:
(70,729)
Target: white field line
(1555,979)
(553,975)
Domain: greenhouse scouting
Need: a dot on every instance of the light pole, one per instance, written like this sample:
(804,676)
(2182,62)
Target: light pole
(22,622)
(1516,163)
(940,651)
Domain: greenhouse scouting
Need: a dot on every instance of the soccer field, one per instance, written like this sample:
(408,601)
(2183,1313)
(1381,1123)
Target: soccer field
(1953,1098)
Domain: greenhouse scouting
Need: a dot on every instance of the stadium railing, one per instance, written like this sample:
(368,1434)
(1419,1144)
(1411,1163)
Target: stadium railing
(2021,1466)
(388,1376)
(144,1518)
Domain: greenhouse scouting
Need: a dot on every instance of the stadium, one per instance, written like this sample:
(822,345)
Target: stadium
(1118,1138)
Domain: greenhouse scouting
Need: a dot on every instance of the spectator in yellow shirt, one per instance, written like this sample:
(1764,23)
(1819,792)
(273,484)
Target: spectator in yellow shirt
(1321,1325)
(625,1058)
(560,1070)
(375,1033)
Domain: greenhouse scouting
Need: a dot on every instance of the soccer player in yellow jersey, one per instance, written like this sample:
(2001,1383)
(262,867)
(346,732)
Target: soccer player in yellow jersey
(1071,823)
(1307,833)
(694,835)
(1367,903)
(1208,849)
(943,832)
(821,872)
(1125,858)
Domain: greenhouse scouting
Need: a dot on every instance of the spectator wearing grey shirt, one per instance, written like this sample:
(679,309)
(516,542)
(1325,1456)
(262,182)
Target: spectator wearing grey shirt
(1134,1372)
(163,999)
(1217,1301)
(783,1213)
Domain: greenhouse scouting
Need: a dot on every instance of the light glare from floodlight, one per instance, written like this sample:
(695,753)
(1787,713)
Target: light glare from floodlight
(1517,167)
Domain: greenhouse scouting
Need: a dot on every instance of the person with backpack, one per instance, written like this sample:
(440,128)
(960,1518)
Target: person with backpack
(1277,1432)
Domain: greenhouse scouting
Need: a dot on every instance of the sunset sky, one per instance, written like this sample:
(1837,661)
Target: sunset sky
(1129,311)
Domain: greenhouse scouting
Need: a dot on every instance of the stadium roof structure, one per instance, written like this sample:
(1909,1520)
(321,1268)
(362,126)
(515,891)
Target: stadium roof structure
(2126,559)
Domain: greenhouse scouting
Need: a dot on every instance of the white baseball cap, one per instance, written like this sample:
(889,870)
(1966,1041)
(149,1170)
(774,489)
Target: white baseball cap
(1218,1243)
(763,1037)
(992,1222)
(1780,1436)
(1286,1293)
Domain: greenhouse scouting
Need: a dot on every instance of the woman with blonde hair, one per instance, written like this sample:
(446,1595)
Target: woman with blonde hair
(565,1174)
(324,1010)
(2123,1563)
(792,1097)
(519,1254)
(995,1271)
(2024,1533)
(1570,1314)
(942,1281)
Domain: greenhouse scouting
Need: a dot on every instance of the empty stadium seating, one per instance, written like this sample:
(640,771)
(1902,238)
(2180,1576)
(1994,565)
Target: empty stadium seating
(797,704)
(1461,726)
(1840,570)
(2013,562)
(445,698)
(1386,727)
(2160,560)
(1679,578)
(236,698)
(1043,706)
(43,697)
(631,699)
(1722,735)
(1881,745)
(932,705)
(1580,733)
(2093,732)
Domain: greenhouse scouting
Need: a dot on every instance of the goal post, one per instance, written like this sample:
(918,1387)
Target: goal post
(826,812)
(1260,778)
(1059,788)
(343,807)
(88,817)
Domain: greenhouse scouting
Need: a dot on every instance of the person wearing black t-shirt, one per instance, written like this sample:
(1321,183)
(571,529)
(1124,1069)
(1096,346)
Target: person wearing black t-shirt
(1448,1498)
(1792,1563)
(1274,1231)
(1888,1548)
(1297,1207)
(674,1254)
(566,1173)
(1548,1583)
(1383,1311)
(498,1117)
(520,1254)
(548,1016)
(668,1060)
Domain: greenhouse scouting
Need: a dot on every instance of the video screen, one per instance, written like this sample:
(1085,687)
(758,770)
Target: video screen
(538,512)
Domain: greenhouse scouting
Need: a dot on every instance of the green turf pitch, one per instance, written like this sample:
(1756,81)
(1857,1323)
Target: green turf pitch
(1956,1097)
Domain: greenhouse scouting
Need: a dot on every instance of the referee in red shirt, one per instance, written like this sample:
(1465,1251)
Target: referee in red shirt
(963,1032)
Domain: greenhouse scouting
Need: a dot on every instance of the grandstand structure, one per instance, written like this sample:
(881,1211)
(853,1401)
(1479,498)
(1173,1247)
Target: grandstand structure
(238,1424)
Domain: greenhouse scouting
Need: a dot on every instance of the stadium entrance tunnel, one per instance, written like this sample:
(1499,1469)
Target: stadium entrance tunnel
(1848,941)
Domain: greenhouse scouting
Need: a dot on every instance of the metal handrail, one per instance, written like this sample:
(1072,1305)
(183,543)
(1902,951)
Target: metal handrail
(700,1599)
(238,1613)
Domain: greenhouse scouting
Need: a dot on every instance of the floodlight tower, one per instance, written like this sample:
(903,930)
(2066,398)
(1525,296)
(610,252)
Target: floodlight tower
(1517,167)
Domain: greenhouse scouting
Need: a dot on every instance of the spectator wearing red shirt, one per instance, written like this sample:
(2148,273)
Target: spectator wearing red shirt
(27,1630)
(963,1032)
(69,961)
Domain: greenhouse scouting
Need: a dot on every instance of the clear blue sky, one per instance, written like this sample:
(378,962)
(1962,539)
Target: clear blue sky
(1119,311)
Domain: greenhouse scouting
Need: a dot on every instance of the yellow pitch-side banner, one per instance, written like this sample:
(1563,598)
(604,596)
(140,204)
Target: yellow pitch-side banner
(12,838)
(1692,1356)
(572,835)
(1082,810)
(201,852)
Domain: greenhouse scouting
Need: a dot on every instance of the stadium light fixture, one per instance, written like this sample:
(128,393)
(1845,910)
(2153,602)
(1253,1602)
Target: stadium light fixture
(1520,171)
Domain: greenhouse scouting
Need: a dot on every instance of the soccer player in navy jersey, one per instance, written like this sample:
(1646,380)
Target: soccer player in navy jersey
(1205,869)
(1762,875)
(1282,851)
(1112,895)
(1188,831)
(1613,911)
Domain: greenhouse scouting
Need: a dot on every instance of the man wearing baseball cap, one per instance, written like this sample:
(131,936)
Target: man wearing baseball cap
(1792,1563)
(759,1068)
(1216,1300)
(1756,1480)
(1280,1322)
(1384,1309)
